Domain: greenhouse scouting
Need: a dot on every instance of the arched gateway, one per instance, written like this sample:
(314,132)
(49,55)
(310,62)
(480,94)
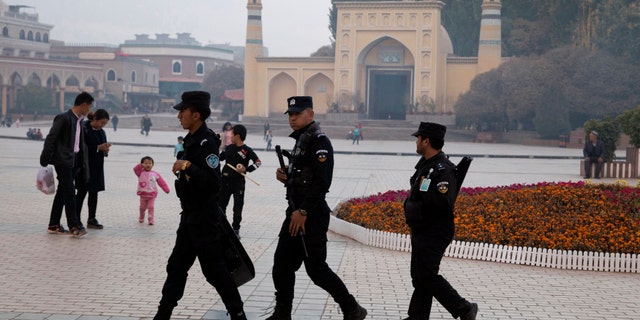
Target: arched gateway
(392,58)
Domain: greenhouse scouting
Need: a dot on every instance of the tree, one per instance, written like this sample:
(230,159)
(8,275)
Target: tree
(325,51)
(630,123)
(34,98)
(223,78)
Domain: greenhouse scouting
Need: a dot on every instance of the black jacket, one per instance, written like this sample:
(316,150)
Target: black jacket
(58,145)
(433,194)
(592,151)
(93,138)
(198,186)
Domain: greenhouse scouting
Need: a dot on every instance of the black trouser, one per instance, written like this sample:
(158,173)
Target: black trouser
(288,258)
(92,203)
(235,187)
(201,241)
(587,167)
(427,250)
(65,197)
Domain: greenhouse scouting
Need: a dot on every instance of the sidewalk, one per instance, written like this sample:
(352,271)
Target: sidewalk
(117,273)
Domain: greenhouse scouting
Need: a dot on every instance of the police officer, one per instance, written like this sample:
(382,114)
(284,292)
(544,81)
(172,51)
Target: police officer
(303,235)
(198,235)
(429,214)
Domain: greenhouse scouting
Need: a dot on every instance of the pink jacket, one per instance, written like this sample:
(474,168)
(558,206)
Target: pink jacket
(148,182)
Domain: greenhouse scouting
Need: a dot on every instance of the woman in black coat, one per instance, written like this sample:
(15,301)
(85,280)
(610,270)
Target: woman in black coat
(98,148)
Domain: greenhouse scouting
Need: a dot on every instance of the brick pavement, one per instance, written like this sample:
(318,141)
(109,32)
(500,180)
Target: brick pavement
(117,273)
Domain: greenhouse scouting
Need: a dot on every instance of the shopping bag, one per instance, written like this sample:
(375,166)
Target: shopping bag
(44,180)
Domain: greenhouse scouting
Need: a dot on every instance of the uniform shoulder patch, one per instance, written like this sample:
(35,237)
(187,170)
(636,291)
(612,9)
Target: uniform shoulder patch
(213,161)
(440,166)
(443,186)
(322,155)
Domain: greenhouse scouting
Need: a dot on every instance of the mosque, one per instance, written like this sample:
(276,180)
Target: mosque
(393,60)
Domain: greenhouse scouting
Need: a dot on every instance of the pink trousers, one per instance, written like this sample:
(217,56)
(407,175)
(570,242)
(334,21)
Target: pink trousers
(146,204)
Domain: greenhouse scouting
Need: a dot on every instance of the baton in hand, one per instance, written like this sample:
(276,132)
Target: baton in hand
(293,208)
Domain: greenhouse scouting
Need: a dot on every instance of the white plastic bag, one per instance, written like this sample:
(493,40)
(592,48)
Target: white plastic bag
(44,180)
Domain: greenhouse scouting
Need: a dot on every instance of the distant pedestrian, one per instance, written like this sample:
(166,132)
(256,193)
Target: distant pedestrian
(148,182)
(145,125)
(178,149)
(269,139)
(114,121)
(266,128)
(356,135)
(227,132)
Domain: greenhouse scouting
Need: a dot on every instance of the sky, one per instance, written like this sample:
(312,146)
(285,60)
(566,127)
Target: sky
(290,28)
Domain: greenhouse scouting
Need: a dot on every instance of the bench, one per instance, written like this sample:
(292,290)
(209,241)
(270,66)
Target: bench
(616,170)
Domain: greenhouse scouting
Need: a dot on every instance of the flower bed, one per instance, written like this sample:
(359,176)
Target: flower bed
(562,216)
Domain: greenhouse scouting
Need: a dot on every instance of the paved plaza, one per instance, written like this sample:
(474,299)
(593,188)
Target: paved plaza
(118,272)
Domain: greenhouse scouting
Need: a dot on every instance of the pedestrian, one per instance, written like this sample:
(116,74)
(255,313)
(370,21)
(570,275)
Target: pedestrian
(148,182)
(429,212)
(65,149)
(98,149)
(593,153)
(238,155)
(198,234)
(266,128)
(303,235)
(114,121)
(361,131)
(145,124)
(269,140)
(227,132)
(178,149)
(356,135)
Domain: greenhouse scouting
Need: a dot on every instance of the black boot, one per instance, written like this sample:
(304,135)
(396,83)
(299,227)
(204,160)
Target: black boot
(163,313)
(281,312)
(353,310)
(238,316)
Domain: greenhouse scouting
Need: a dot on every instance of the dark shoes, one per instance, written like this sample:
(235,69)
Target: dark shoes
(471,314)
(358,313)
(78,232)
(57,229)
(280,312)
(94,224)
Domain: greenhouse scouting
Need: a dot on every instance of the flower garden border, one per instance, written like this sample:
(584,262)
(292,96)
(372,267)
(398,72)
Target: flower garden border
(559,259)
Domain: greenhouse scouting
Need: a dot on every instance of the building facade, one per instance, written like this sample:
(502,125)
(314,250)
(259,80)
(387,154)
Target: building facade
(392,59)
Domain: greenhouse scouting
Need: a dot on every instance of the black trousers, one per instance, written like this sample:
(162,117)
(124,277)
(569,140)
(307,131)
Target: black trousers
(288,258)
(587,167)
(201,241)
(233,187)
(65,197)
(92,203)
(427,251)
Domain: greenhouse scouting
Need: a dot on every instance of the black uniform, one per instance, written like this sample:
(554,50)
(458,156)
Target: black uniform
(309,178)
(198,234)
(233,183)
(429,214)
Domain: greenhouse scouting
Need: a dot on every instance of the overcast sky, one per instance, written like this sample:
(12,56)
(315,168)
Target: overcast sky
(292,28)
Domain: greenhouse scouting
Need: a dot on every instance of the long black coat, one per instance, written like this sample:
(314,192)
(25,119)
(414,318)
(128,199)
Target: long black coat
(93,138)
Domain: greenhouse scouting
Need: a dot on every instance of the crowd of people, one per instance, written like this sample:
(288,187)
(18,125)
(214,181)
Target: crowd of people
(77,147)
(34,134)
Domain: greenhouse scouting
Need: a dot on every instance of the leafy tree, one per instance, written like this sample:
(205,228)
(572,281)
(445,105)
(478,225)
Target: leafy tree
(630,123)
(461,19)
(608,132)
(326,51)
(223,78)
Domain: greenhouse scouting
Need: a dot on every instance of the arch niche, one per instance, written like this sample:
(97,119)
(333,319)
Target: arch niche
(320,88)
(281,87)
(385,74)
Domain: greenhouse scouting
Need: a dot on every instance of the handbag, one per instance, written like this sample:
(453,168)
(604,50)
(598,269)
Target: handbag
(45,181)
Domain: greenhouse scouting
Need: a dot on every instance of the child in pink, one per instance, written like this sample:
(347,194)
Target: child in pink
(148,182)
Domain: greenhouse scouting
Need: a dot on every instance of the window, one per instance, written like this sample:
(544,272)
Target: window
(38,37)
(5,32)
(22,35)
(133,76)
(200,68)
(30,36)
(45,38)
(111,75)
(176,67)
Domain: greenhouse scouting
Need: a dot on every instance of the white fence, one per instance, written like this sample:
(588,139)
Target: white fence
(559,259)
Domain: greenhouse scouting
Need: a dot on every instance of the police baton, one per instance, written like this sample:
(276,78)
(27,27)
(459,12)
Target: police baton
(293,208)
